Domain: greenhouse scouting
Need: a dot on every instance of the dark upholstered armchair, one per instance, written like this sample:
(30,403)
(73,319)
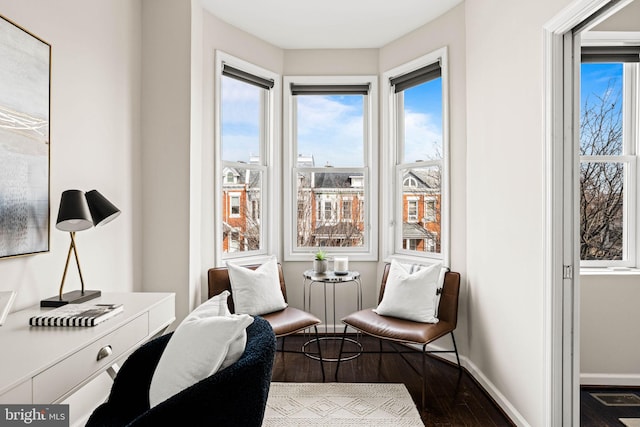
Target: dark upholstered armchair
(235,396)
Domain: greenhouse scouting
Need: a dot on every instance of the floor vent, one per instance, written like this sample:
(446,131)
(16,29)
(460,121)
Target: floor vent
(617,399)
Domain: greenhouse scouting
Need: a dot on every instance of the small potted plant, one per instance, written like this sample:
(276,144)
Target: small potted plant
(320,263)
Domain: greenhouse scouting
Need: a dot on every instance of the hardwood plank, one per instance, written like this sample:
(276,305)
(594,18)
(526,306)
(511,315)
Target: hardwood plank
(453,398)
(595,414)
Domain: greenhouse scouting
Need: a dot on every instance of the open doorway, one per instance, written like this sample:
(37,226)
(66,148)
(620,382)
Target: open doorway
(563,234)
(608,219)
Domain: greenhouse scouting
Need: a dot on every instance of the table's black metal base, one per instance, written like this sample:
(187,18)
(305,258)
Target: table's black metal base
(315,356)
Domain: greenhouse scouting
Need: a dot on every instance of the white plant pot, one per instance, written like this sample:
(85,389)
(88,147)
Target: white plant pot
(320,266)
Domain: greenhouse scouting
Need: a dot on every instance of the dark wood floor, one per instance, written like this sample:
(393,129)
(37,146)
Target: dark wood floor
(453,398)
(595,414)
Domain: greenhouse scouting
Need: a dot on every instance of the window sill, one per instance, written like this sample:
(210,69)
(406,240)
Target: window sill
(308,256)
(609,271)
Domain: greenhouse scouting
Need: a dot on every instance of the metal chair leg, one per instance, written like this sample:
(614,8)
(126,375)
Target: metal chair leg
(424,376)
(455,348)
(315,327)
(344,333)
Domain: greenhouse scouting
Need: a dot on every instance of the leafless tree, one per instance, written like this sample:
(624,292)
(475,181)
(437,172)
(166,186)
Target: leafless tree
(601,182)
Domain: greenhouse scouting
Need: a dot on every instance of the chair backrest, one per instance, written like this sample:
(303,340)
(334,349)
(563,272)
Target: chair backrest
(219,282)
(448,306)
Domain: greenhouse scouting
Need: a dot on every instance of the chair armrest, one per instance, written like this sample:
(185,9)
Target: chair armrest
(235,396)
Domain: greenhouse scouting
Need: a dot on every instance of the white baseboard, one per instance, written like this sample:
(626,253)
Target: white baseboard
(623,380)
(495,394)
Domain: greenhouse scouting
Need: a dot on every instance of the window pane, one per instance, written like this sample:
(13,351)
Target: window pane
(346,210)
(601,109)
(241,210)
(240,114)
(330,128)
(422,116)
(412,210)
(421,219)
(601,211)
(329,206)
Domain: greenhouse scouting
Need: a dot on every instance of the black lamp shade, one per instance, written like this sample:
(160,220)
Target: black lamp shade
(102,210)
(74,213)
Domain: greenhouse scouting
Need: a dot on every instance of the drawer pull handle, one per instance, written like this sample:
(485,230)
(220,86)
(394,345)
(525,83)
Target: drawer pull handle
(104,352)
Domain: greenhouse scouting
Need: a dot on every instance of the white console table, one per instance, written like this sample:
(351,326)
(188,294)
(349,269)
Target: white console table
(43,365)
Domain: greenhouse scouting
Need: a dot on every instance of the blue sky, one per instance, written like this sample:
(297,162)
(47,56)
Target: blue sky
(423,121)
(595,79)
(330,127)
(240,118)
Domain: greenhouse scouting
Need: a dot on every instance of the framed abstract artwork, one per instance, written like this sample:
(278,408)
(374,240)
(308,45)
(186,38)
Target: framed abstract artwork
(25,81)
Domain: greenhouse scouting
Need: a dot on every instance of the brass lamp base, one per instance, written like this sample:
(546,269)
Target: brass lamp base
(73,297)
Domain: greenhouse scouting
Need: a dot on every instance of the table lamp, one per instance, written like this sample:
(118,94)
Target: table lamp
(79,211)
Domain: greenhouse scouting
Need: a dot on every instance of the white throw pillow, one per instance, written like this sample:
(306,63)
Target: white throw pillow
(201,345)
(214,306)
(256,291)
(411,296)
(217,306)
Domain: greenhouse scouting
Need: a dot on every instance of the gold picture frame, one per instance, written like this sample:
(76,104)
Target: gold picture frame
(25,94)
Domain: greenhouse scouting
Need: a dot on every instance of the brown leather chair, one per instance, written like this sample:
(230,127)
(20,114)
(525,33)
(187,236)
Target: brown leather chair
(409,332)
(285,322)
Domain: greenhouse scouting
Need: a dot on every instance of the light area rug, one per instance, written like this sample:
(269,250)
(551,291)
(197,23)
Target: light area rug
(630,422)
(341,405)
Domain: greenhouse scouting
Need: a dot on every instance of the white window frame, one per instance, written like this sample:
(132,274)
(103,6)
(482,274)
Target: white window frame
(429,215)
(413,201)
(233,195)
(344,202)
(326,211)
(631,150)
(392,177)
(269,167)
(410,182)
(369,251)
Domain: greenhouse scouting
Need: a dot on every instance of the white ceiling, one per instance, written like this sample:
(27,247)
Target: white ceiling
(336,24)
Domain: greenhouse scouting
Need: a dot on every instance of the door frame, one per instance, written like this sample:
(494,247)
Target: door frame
(561,260)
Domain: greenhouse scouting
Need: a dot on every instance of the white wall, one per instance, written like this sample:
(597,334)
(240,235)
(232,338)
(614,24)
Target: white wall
(448,30)
(336,62)
(95,134)
(95,143)
(166,149)
(627,19)
(505,196)
(609,336)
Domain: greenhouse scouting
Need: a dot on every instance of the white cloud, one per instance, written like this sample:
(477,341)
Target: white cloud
(238,148)
(240,102)
(330,130)
(423,137)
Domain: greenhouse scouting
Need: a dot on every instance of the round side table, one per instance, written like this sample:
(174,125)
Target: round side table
(326,279)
